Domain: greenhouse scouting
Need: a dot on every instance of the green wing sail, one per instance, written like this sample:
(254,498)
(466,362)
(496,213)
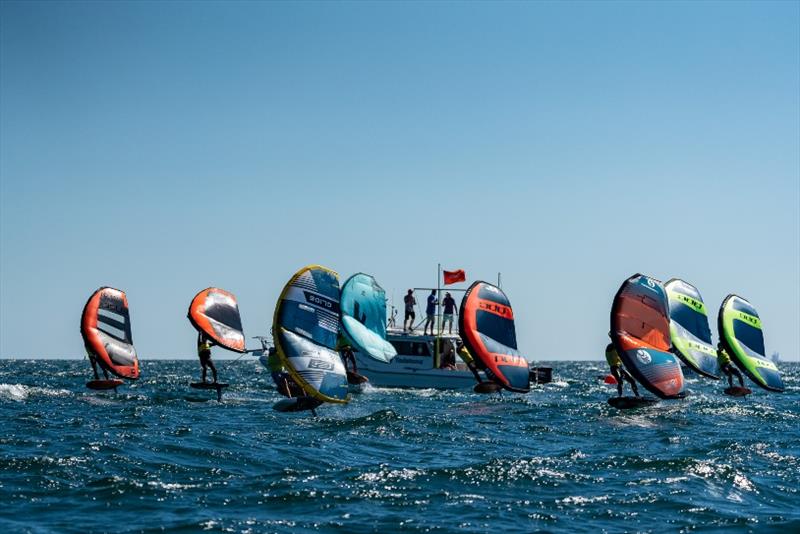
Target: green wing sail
(742,337)
(688,328)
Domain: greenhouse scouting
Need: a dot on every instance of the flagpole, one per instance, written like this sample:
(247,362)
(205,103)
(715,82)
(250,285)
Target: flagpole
(438,308)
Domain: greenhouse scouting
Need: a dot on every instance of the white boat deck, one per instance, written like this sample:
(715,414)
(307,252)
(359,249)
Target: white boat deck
(417,364)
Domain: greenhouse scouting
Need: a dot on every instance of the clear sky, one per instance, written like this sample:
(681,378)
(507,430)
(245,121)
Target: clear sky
(164,147)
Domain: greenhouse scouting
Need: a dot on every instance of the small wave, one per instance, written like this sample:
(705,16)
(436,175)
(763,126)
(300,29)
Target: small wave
(428,392)
(578,500)
(21,392)
(385,474)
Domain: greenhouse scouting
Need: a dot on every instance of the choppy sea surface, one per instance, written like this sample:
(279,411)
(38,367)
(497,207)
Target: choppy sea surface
(160,456)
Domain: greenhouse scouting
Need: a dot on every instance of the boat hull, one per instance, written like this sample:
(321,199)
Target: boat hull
(415,371)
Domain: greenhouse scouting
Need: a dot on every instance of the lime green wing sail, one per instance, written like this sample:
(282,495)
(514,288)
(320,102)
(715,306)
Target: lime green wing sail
(363,307)
(688,328)
(741,336)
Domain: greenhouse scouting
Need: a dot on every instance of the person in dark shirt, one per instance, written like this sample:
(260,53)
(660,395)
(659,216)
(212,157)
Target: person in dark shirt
(430,311)
(449,304)
(410,302)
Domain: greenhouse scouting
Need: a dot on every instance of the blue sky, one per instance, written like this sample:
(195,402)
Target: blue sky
(162,148)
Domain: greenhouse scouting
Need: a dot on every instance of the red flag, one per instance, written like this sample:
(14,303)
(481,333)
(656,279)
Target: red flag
(451,277)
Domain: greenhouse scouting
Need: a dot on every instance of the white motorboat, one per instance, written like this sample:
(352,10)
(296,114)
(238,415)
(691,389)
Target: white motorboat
(418,363)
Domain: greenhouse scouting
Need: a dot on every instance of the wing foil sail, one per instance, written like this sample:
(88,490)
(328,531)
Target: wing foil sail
(742,337)
(306,330)
(363,308)
(640,333)
(106,332)
(486,326)
(689,330)
(215,313)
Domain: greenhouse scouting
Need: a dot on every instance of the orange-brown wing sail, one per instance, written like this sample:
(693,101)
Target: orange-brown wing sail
(640,333)
(215,313)
(486,326)
(106,331)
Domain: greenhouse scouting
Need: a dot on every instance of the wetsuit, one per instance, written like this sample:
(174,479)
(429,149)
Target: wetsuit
(464,354)
(348,356)
(619,372)
(93,361)
(281,378)
(204,353)
(724,362)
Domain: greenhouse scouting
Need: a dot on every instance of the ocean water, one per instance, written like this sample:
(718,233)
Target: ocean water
(159,456)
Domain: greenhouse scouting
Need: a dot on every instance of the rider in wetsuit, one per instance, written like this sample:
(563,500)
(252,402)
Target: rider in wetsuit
(724,362)
(349,359)
(619,372)
(464,354)
(93,361)
(280,376)
(204,353)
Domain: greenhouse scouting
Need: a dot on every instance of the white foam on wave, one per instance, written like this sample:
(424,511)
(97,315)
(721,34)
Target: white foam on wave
(426,392)
(743,483)
(639,421)
(578,500)
(171,486)
(15,392)
(21,392)
(391,474)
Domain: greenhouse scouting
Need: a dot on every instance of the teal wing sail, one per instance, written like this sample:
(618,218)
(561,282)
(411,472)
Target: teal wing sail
(363,309)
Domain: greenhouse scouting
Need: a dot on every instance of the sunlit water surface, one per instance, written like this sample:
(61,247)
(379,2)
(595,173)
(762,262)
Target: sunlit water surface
(159,455)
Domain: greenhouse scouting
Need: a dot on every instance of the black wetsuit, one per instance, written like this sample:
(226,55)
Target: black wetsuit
(93,361)
(204,353)
(724,362)
(348,356)
(619,372)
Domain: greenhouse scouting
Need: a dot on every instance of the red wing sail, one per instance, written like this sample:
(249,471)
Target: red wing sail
(486,325)
(215,313)
(640,333)
(106,331)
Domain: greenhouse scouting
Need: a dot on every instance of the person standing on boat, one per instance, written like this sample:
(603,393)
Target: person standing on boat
(724,362)
(430,311)
(449,304)
(204,353)
(618,372)
(410,315)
